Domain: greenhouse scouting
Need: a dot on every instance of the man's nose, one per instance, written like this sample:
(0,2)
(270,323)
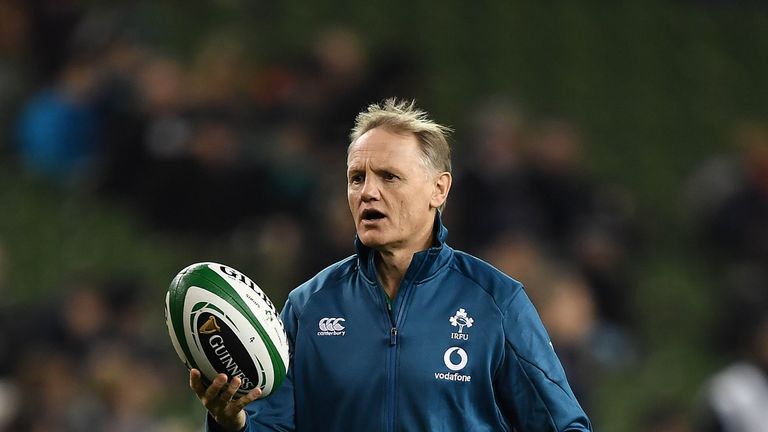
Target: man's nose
(370,189)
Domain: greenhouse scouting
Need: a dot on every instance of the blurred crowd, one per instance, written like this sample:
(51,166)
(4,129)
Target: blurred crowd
(86,360)
(728,194)
(219,146)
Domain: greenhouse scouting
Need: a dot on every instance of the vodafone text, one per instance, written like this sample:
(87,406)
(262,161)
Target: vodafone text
(452,376)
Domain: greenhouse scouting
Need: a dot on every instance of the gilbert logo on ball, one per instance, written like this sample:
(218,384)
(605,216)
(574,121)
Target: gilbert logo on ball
(220,321)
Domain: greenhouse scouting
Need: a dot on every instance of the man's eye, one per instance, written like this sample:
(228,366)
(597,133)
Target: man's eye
(390,176)
(356,179)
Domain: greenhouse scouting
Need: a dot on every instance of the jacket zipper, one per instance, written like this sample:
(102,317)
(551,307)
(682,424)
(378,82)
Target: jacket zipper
(394,319)
(391,357)
(395,316)
(391,387)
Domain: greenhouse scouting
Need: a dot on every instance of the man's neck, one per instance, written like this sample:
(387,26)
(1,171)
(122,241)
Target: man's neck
(391,266)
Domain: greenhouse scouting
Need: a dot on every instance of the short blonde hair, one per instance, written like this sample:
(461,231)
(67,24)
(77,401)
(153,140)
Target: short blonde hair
(402,116)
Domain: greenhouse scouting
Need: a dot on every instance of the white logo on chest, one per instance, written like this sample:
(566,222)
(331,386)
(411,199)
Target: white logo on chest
(449,362)
(331,327)
(461,320)
(450,358)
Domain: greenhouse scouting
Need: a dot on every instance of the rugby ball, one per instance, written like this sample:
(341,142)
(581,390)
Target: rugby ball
(220,321)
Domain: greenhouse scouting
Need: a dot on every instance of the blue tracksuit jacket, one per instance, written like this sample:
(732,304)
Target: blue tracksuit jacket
(461,348)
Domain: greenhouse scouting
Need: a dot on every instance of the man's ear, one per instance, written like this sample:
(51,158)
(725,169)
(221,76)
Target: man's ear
(442,187)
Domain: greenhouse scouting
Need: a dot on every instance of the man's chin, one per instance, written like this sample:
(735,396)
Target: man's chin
(371,241)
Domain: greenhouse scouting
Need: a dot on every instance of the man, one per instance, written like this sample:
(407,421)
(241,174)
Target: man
(425,338)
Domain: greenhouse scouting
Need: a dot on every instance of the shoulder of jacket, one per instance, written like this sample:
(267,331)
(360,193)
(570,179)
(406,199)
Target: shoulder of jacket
(301,295)
(500,286)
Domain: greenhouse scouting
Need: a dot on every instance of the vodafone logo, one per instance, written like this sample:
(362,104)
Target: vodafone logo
(455,359)
(331,327)
(447,358)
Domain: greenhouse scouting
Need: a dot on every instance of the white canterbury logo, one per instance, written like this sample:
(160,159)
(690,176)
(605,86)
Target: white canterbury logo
(331,327)
(331,324)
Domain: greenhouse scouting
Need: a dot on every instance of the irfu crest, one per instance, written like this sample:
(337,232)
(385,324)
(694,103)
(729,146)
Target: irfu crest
(461,320)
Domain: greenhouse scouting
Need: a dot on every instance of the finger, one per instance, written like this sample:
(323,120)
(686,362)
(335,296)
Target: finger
(226,395)
(244,400)
(196,383)
(214,389)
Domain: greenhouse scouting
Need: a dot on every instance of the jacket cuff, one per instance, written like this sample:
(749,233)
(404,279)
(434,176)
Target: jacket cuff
(212,426)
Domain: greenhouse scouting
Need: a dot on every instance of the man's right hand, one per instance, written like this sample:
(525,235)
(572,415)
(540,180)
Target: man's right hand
(217,398)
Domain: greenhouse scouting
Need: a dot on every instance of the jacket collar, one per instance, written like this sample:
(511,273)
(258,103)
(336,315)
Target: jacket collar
(423,265)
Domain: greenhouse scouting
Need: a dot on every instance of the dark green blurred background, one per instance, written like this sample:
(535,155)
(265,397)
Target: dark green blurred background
(655,89)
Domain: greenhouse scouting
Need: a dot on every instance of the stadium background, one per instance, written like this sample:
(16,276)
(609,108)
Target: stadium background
(600,151)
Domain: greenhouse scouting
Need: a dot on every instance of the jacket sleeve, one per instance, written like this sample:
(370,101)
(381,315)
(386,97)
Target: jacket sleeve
(533,392)
(274,413)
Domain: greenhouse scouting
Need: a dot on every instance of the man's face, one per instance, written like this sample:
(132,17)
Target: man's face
(392,195)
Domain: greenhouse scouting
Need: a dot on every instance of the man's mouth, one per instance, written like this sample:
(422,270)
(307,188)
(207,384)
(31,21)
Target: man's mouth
(370,215)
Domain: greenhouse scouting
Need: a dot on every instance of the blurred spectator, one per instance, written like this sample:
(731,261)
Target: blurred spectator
(122,405)
(587,346)
(58,128)
(59,391)
(528,181)
(292,169)
(495,192)
(49,390)
(735,398)
(741,296)
(125,102)
(601,252)
(217,77)
(80,320)
(79,372)
(279,246)
(336,239)
(125,297)
(338,86)
(738,227)
(583,221)
(729,200)
(565,195)
(194,176)
(516,254)
(162,85)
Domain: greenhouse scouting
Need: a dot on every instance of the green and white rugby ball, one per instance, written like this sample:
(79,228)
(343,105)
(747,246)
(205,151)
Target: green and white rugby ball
(220,321)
